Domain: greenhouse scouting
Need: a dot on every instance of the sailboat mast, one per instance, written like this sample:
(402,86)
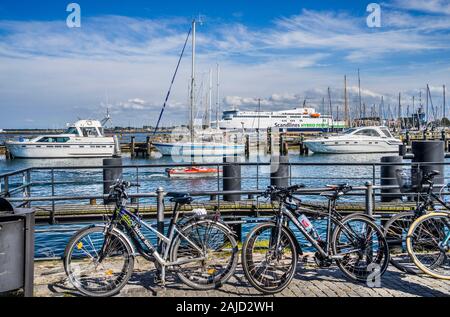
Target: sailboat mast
(218,97)
(192,83)
(210,97)
(346,102)
(359,94)
(443,102)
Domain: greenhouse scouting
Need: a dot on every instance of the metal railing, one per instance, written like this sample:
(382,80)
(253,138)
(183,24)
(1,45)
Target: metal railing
(18,185)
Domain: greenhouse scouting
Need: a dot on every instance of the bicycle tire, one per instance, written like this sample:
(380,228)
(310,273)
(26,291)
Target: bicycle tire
(410,241)
(362,273)
(248,262)
(127,269)
(223,247)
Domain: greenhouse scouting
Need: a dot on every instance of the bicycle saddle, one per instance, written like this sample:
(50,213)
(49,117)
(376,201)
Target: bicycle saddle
(338,187)
(433,173)
(181,198)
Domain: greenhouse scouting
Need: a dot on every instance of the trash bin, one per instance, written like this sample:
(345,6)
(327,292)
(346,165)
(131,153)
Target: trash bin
(16,249)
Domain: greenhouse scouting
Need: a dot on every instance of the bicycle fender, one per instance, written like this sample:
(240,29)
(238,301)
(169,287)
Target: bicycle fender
(123,235)
(371,218)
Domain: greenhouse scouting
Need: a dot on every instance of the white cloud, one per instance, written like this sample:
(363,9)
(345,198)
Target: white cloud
(58,74)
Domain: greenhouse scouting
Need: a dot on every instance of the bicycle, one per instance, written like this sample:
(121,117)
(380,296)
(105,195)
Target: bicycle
(397,227)
(99,259)
(270,251)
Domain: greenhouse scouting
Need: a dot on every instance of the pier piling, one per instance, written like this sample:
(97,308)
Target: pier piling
(279,170)
(388,178)
(231,178)
(429,152)
(111,174)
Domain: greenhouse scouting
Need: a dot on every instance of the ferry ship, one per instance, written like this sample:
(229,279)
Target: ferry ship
(298,119)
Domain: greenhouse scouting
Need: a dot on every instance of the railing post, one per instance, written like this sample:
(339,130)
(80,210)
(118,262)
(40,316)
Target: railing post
(26,183)
(160,213)
(6,186)
(52,212)
(369,198)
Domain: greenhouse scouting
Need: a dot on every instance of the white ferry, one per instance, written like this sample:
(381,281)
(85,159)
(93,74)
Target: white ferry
(85,138)
(298,119)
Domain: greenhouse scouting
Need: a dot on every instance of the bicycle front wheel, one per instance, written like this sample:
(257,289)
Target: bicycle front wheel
(360,248)
(205,254)
(396,230)
(267,266)
(97,273)
(428,244)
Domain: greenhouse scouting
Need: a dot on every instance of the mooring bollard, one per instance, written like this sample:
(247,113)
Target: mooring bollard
(428,152)
(369,198)
(231,178)
(133,146)
(388,177)
(279,170)
(112,171)
(148,147)
(160,214)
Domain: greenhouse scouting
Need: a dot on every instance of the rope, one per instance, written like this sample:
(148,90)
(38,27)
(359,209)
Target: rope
(171,83)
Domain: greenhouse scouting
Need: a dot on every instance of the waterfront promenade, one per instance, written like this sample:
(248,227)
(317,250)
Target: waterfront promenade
(310,281)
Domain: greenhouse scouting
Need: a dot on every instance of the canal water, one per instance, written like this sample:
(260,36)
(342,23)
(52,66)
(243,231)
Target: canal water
(89,182)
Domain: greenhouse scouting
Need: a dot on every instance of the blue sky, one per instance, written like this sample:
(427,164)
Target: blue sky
(124,54)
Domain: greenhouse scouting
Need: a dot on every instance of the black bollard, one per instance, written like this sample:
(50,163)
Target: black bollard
(429,152)
(111,174)
(402,149)
(231,178)
(389,178)
(279,171)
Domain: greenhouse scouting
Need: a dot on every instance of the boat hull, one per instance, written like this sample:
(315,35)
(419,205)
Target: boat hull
(343,147)
(35,151)
(198,149)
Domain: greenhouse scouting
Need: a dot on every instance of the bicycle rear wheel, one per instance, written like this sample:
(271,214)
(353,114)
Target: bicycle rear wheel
(212,261)
(396,230)
(93,273)
(428,244)
(266,269)
(363,249)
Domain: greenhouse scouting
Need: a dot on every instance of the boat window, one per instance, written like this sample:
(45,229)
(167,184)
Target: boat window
(89,131)
(54,139)
(368,132)
(71,130)
(386,132)
(350,131)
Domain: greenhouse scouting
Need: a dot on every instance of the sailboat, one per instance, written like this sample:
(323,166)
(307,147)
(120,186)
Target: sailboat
(195,148)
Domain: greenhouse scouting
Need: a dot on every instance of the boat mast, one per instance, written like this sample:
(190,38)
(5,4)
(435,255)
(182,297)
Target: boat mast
(359,94)
(346,102)
(192,82)
(443,102)
(218,97)
(210,98)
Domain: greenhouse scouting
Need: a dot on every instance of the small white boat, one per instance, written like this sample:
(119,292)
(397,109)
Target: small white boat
(199,149)
(85,138)
(376,139)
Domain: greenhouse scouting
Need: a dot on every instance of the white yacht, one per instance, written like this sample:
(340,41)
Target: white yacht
(85,138)
(356,140)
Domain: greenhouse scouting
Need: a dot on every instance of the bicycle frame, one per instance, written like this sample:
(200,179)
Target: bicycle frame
(284,212)
(132,224)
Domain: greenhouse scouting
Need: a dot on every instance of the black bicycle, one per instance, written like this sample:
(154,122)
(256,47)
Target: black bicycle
(270,251)
(397,227)
(202,251)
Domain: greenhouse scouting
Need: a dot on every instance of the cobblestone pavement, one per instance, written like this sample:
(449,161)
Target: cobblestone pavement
(310,281)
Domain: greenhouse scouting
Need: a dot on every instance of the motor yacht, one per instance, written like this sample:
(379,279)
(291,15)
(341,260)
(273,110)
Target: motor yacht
(375,139)
(84,138)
